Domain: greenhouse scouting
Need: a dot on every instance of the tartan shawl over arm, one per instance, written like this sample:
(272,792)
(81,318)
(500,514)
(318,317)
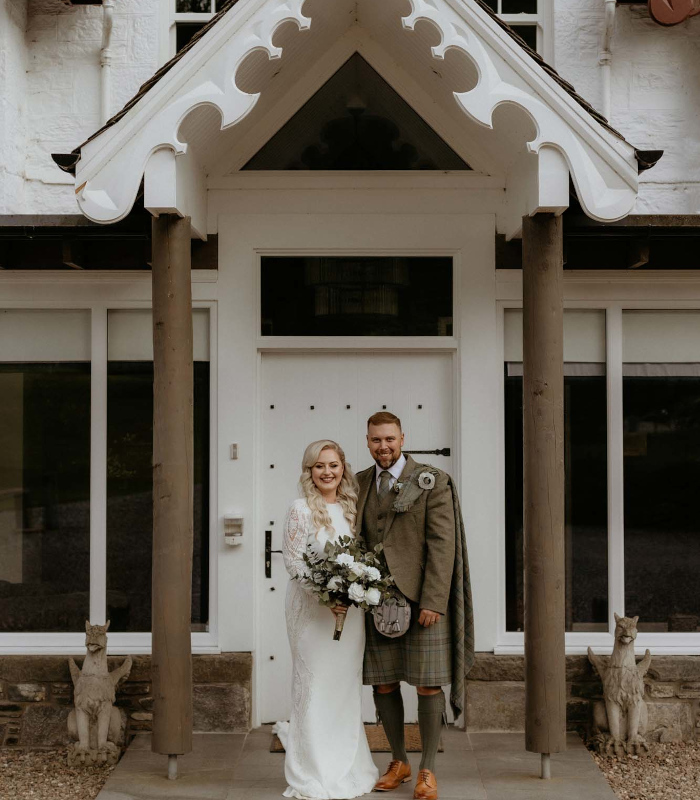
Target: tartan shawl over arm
(461,612)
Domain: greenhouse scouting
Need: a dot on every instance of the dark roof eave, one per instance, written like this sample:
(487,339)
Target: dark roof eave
(67,161)
(646,159)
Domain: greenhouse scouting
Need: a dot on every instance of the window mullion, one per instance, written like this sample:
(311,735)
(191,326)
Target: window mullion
(616,523)
(98,466)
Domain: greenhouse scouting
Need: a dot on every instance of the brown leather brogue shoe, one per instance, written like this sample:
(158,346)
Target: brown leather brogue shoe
(426,786)
(396,773)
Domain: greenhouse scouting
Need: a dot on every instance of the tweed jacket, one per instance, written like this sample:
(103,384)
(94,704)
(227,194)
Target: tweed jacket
(419,544)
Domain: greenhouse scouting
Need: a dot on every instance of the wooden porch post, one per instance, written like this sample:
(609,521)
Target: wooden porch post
(543,490)
(173,442)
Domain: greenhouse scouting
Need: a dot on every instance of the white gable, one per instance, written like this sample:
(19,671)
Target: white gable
(449,59)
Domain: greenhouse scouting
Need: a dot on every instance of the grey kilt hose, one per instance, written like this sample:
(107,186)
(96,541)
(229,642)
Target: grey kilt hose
(421,657)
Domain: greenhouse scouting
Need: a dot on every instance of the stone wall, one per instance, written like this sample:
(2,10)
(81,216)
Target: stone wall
(655,85)
(36,695)
(63,82)
(496,695)
(655,79)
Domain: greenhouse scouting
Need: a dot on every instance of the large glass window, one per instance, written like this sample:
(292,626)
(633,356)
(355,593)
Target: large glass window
(130,476)
(363,296)
(44,470)
(585,453)
(661,400)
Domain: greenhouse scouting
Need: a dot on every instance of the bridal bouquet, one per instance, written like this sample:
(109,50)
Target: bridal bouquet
(347,573)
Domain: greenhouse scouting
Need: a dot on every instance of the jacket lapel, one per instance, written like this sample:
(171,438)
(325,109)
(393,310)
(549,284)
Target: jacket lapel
(365,484)
(409,466)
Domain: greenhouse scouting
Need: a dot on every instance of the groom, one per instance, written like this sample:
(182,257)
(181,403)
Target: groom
(413,511)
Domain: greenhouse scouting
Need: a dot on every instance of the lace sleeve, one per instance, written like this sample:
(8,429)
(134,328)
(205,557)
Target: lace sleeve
(295,539)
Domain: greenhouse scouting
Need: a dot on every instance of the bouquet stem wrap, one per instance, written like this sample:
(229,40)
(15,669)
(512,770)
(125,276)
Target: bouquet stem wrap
(339,622)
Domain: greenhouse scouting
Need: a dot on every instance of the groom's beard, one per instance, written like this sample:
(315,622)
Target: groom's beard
(389,459)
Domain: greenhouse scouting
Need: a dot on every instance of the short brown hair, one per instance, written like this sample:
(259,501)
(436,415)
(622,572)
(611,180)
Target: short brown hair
(384,418)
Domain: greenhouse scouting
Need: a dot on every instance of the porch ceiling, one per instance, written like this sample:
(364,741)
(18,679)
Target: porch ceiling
(489,97)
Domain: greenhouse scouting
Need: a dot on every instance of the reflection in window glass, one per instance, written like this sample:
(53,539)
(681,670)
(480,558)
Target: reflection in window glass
(184,31)
(193,6)
(585,453)
(528,33)
(129,495)
(518,6)
(586,524)
(661,402)
(44,495)
(662,475)
(364,296)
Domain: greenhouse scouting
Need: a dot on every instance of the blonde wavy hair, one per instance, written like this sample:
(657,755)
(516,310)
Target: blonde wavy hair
(347,488)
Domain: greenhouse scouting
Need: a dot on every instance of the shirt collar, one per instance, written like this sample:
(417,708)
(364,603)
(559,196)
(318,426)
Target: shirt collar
(395,470)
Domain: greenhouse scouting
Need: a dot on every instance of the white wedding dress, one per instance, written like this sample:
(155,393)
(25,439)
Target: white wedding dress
(327,755)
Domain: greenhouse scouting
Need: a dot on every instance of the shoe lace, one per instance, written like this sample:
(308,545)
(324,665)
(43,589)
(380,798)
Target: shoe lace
(394,766)
(424,775)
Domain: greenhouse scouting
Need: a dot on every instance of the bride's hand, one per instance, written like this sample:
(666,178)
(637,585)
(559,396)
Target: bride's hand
(339,609)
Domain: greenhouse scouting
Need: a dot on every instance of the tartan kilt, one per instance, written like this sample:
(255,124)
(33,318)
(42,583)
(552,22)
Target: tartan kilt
(421,657)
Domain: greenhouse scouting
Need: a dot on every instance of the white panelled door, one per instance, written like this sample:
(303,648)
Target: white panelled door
(313,396)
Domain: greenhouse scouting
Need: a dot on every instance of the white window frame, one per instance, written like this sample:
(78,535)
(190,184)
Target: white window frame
(543,20)
(169,19)
(614,292)
(94,291)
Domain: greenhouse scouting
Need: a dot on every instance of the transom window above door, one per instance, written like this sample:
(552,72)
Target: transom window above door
(356,296)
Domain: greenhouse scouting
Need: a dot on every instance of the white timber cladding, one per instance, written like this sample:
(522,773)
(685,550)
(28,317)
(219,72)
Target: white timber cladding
(131,335)
(27,335)
(584,336)
(532,132)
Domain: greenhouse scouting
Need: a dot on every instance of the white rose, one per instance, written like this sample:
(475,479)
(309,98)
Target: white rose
(358,570)
(373,596)
(373,573)
(335,583)
(356,593)
(345,559)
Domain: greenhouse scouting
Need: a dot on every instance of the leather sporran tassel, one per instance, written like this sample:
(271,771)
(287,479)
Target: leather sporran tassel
(339,622)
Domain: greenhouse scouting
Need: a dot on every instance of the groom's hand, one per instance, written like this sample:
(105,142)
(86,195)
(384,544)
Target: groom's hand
(427,618)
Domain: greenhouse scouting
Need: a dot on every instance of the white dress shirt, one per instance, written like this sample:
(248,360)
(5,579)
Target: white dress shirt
(394,471)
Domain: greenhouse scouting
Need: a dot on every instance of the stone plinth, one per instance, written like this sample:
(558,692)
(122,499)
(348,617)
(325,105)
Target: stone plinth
(495,698)
(36,696)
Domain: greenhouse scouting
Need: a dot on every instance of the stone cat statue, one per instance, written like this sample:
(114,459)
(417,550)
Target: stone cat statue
(95,722)
(620,720)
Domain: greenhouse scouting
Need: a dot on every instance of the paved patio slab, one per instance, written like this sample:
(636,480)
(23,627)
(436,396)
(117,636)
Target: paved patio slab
(477,766)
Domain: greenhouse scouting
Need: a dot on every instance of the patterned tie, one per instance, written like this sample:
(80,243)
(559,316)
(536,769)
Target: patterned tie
(384,478)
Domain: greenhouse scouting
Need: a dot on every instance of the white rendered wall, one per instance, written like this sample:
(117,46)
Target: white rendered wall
(13,22)
(655,84)
(655,92)
(63,83)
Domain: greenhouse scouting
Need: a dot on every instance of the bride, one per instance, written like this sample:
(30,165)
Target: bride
(327,751)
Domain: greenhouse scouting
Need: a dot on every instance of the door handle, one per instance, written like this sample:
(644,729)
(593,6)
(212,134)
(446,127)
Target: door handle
(268,554)
(444,452)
